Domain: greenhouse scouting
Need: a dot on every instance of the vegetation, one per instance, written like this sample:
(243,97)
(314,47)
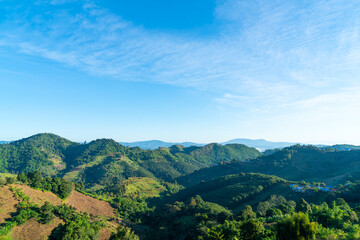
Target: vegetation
(60,187)
(224,192)
(297,163)
(77,226)
(105,162)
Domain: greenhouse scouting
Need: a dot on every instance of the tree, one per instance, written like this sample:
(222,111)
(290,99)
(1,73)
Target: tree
(10,180)
(252,229)
(49,217)
(79,186)
(228,230)
(124,233)
(247,213)
(303,206)
(22,177)
(47,207)
(35,179)
(65,188)
(272,212)
(296,227)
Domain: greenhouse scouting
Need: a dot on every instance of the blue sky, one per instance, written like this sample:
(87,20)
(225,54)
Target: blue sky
(185,70)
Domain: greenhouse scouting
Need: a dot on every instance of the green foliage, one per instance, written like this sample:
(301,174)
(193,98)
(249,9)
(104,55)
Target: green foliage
(252,229)
(10,180)
(22,177)
(124,233)
(184,219)
(295,163)
(41,151)
(236,191)
(106,162)
(60,187)
(247,213)
(228,230)
(76,226)
(210,152)
(296,227)
(303,206)
(131,209)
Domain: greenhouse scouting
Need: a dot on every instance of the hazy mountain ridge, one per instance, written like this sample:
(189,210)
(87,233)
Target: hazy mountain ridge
(154,144)
(260,144)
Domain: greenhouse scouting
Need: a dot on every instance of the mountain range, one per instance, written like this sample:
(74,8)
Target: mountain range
(105,161)
(259,144)
(173,192)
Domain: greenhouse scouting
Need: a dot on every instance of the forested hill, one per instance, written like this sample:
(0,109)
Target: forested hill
(44,152)
(307,163)
(106,161)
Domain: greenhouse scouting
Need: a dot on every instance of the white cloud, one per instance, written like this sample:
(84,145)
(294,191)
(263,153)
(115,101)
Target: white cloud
(268,55)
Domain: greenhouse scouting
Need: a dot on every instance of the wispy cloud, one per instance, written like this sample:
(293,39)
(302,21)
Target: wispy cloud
(265,53)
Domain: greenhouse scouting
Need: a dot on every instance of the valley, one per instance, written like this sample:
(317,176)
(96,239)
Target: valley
(111,191)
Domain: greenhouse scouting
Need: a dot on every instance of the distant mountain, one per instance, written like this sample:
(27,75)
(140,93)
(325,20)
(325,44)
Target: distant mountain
(4,142)
(154,144)
(344,147)
(260,144)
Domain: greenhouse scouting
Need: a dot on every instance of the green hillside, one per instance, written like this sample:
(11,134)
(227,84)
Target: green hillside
(293,163)
(45,152)
(233,191)
(104,161)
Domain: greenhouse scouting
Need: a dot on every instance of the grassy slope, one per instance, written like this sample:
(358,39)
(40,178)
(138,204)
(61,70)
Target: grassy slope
(143,188)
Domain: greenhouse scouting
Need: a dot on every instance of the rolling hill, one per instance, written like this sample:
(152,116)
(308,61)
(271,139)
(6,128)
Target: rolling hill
(105,161)
(296,163)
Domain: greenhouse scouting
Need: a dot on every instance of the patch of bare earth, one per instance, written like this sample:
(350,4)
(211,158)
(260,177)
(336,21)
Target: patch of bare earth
(111,227)
(34,230)
(39,197)
(7,203)
(105,234)
(90,205)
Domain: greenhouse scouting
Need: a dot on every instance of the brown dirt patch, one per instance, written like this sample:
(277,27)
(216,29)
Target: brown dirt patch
(90,205)
(34,230)
(39,197)
(111,227)
(105,234)
(7,203)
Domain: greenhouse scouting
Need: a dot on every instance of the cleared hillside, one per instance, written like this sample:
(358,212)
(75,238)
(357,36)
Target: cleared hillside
(25,206)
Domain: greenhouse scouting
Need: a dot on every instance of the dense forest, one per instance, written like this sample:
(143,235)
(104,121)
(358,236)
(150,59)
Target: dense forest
(208,192)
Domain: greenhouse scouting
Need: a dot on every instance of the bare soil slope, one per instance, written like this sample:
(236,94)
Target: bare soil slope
(7,203)
(90,205)
(39,197)
(34,230)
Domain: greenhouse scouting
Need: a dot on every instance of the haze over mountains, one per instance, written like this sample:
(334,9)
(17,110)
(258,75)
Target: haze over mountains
(260,144)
